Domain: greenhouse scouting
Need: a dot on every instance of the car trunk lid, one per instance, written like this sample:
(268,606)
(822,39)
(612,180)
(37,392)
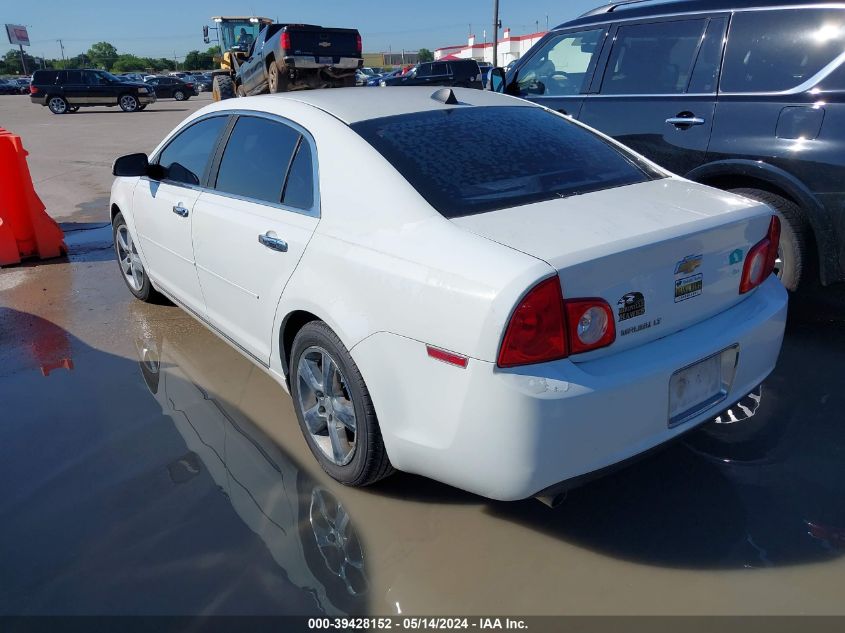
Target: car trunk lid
(665,254)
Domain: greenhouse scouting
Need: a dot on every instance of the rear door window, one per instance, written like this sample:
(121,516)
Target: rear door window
(439,68)
(654,58)
(705,75)
(561,66)
(770,51)
(186,157)
(256,159)
(299,188)
(74,77)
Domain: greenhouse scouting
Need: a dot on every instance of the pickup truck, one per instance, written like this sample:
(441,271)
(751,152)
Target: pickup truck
(298,56)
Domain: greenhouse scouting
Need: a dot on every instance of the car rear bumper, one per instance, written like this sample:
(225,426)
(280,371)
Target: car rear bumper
(310,62)
(510,434)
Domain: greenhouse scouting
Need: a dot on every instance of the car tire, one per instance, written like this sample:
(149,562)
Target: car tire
(58,105)
(131,268)
(361,460)
(128,103)
(179,95)
(793,250)
(222,87)
(276,81)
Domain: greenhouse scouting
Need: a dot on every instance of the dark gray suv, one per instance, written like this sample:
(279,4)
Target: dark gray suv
(744,95)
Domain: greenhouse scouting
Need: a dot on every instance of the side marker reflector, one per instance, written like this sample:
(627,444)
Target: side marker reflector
(447,357)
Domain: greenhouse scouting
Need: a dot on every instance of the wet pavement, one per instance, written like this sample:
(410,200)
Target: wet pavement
(148,468)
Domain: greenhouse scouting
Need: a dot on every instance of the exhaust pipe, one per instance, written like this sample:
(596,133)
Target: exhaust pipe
(552,500)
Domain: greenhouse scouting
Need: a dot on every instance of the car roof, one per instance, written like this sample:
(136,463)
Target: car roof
(353,105)
(626,9)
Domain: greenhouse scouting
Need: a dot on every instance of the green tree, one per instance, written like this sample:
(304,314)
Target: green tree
(79,61)
(128,63)
(103,54)
(195,60)
(426,55)
(11,62)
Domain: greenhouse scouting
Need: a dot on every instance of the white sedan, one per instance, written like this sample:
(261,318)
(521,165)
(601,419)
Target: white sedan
(509,311)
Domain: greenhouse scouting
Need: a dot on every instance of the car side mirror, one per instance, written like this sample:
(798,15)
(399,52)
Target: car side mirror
(131,165)
(496,80)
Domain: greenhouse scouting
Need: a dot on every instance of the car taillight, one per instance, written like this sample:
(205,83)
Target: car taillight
(545,327)
(536,332)
(33,90)
(590,324)
(358,45)
(286,40)
(189,85)
(760,261)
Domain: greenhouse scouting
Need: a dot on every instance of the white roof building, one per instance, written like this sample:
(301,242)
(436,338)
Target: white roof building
(509,48)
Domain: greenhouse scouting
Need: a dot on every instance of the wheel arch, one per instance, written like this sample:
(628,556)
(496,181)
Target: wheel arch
(291,325)
(113,211)
(733,174)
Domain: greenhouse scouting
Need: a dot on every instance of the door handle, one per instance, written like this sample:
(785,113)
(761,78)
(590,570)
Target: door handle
(685,121)
(179,210)
(273,242)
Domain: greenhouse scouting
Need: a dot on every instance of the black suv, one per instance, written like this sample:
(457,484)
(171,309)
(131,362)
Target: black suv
(744,95)
(463,73)
(66,91)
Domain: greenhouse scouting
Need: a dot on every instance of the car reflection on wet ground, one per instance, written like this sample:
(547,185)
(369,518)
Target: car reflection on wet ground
(147,468)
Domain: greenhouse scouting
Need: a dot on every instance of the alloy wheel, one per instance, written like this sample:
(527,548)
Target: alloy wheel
(127,256)
(128,103)
(326,405)
(58,105)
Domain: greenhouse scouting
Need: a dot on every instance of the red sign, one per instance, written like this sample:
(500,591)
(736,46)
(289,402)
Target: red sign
(17,34)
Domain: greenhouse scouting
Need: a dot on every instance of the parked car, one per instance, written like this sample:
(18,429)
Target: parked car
(375,81)
(463,73)
(203,82)
(514,324)
(9,87)
(743,95)
(66,91)
(133,77)
(294,56)
(172,88)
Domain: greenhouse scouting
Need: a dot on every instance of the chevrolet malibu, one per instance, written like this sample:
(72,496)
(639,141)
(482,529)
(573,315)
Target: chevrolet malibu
(508,313)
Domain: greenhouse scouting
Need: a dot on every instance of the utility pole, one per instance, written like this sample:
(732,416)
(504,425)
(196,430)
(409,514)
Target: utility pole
(175,63)
(62,46)
(495,32)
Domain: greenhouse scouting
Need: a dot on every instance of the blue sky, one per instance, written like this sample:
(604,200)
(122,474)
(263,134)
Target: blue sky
(157,28)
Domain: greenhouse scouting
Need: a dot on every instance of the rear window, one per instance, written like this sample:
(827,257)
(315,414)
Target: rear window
(44,77)
(526,154)
(777,50)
